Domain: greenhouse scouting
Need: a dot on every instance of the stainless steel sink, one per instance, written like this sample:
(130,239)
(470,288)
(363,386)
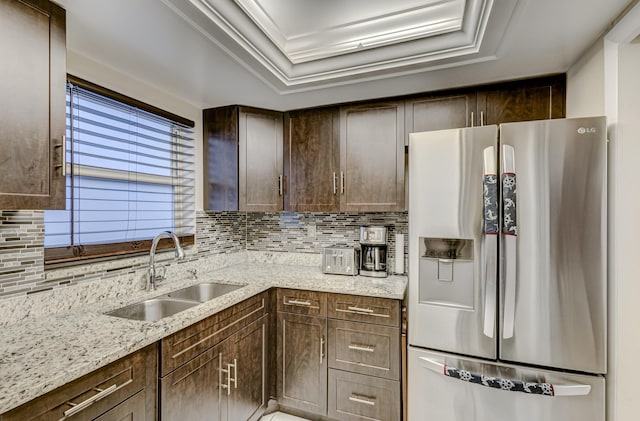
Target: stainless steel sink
(203,292)
(153,309)
(173,302)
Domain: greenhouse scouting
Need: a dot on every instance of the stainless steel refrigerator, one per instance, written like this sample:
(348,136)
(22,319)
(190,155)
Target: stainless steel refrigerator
(507,272)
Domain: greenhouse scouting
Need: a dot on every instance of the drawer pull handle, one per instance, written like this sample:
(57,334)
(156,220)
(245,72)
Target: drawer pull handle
(360,309)
(365,348)
(77,407)
(366,400)
(299,303)
(321,349)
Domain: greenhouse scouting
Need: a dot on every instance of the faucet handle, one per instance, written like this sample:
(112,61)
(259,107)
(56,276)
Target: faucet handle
(163,275)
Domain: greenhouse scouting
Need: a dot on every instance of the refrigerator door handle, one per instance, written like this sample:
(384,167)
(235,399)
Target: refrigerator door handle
(510,232)
(511,385)
(491,231)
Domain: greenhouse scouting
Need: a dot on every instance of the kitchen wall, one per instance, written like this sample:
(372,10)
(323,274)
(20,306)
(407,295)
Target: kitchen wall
(585,84)
(605,81)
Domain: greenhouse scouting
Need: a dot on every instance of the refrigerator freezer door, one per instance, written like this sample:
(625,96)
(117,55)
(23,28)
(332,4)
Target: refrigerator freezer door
(447,241)
(559,316)
(449,388)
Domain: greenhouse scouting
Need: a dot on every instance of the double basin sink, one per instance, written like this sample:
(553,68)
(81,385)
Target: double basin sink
(174,302)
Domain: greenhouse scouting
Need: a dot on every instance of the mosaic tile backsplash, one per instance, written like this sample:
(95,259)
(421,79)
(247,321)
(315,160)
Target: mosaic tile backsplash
(22,243)
(311,232)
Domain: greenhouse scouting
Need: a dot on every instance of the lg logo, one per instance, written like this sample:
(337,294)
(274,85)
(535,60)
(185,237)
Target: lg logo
(583,130)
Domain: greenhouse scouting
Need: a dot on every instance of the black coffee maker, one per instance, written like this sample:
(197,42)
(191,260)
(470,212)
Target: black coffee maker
(373,251)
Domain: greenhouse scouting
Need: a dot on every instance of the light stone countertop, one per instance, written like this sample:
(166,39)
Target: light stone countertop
(39,355)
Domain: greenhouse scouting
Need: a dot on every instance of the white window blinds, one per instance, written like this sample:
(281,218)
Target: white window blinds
(130,175)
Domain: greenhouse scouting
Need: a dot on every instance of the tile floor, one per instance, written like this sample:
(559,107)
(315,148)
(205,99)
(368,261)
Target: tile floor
(279,416)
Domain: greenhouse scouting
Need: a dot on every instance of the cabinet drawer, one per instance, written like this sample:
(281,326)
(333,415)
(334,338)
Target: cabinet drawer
(357,397)
(311,303)
(116,382)
(192,341)
(364,348)
(382,311)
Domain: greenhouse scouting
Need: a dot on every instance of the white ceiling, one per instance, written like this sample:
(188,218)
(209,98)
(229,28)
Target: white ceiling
(285,54)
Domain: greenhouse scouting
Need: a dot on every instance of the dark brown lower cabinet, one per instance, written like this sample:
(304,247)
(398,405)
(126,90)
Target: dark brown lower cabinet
(302,362)
(192,392)
(246,356)
(226,382)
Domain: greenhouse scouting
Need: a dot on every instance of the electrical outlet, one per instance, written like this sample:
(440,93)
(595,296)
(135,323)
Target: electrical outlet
(311,231)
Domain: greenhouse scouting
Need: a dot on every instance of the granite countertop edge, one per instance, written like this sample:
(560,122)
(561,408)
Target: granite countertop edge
(39,356)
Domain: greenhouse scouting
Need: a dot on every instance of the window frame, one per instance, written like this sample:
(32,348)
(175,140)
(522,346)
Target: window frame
(82,253)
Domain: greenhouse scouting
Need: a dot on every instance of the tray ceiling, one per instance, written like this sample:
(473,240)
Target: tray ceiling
(306,44)
(306,30)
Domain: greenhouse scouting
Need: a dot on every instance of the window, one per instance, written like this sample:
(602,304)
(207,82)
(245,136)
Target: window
(130,175)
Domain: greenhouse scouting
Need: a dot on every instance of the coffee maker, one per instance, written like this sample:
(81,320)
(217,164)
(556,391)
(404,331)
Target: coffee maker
(373,251)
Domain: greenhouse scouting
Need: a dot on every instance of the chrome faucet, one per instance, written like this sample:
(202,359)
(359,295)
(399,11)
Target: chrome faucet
(151,280)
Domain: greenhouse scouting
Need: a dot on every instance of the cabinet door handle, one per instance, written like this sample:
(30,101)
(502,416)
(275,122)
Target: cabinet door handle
(472,122)
(364,348)
(63,156)
(321,349)
(482,118)
(77,407)
(335,188)
(230,379)
(299,303)
(341,182)
(280,185)
(360,309)
(367,400)
(235,372)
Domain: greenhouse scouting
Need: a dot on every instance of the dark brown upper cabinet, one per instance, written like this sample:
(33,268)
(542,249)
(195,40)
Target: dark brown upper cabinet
(523,100)
(32,87)
(534,99)
(243,151)
(311,157)
(439,112)
(372,157)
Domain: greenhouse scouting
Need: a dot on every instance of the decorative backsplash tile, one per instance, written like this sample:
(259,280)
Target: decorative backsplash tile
(220,232)
(21,251)
(310,232)
(22,244)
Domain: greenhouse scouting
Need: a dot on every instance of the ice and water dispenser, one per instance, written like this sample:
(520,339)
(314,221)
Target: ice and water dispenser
(446,272)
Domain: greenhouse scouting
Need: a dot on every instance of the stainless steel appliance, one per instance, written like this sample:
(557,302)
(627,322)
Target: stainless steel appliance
(507,272)
(373,251)
(340,260)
